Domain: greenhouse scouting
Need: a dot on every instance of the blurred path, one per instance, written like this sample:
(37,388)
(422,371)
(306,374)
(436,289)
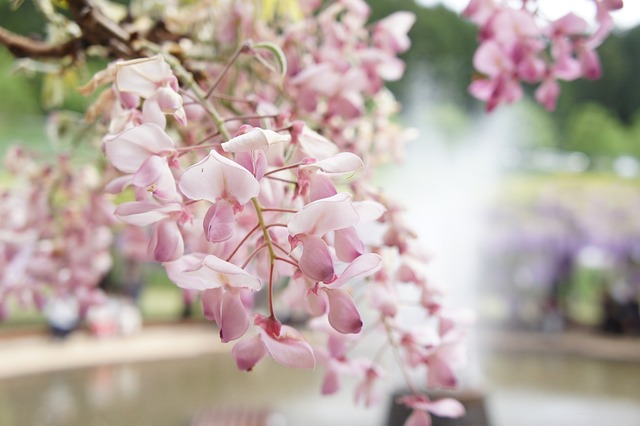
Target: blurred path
(35,353)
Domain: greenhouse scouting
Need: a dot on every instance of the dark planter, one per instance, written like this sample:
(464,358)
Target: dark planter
(473,402)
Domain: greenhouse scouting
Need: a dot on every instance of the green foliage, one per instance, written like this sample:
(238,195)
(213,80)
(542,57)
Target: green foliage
(596,131)
(19,93)
(538,128)
(24,20)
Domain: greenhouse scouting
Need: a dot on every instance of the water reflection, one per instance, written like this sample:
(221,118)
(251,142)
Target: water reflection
(550,390)
(174,393)
(522,389)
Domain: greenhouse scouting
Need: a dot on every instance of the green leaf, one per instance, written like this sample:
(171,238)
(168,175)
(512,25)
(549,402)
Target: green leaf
(15,4)
(277,53)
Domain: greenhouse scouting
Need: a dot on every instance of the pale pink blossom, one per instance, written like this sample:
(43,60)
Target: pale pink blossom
(128,150)
(422,406)
(283,343)
(215,178)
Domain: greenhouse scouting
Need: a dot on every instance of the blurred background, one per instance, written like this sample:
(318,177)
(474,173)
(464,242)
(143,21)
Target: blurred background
(531,219)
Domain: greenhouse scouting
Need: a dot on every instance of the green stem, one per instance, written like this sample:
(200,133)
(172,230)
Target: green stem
(189,82)
(272,254)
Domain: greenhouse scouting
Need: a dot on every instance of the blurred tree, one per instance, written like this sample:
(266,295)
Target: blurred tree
(538,128)
(24,20)
(596,131)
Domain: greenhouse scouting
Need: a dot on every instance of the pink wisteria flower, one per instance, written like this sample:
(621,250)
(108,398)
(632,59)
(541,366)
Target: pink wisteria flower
(261,203)
(423,407)
(514,43)
(283,343)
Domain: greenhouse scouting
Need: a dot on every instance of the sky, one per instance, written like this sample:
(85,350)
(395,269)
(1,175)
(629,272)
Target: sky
(625,18)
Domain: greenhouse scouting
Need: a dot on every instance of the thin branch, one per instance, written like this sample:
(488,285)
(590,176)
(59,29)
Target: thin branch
(241,49)
(24,47)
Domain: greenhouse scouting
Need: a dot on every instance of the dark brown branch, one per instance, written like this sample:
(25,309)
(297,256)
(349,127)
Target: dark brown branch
(98,30)
(24,47)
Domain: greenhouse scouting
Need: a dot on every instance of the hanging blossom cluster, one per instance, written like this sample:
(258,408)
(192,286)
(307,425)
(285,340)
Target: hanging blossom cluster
(240,135)
(255,194)
(55,233)
(518,45)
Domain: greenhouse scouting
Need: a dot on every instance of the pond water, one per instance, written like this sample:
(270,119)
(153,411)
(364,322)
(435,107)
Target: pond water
(520,389)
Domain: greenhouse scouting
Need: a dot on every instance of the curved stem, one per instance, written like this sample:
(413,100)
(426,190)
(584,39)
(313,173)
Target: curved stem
(290,262)
(272,254)
(280,210)
(252,255)
(278,225)
(292,166)
(283,250)
(396,352)
(244,240)
(272,312)
(185,149)
(190,83)
(282,180)
(250,117)
(242,48)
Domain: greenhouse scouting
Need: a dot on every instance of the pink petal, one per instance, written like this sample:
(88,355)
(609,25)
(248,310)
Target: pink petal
(331,380)
(255,162)
(315,261)
(369,210)
(248,352)
(325,215)
(383,298)
(343,314)
(168,99)
(212,272)
(150,171)
(211,300)
(316,304)
(118,184)
(348,105)
(390,68)
(591,68)
(445,407)
(166,242)
(152,113)
(482,88)
(142,76)
(230,274)
(217,177)
(219,222)
(321,186)
(188,273)
(315,145)
(418,418)
(390,33)
(342,163)
(142,213)
(129,149)
(256,138)
(363,266)
(289,348)
(440,374)
(570,24)
(547,93)
(490,59)
(347,244)
(234,320)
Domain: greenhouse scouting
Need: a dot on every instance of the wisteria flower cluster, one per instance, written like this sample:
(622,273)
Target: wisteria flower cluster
(518,45)
(256,187)
(244,135)
(55,232)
